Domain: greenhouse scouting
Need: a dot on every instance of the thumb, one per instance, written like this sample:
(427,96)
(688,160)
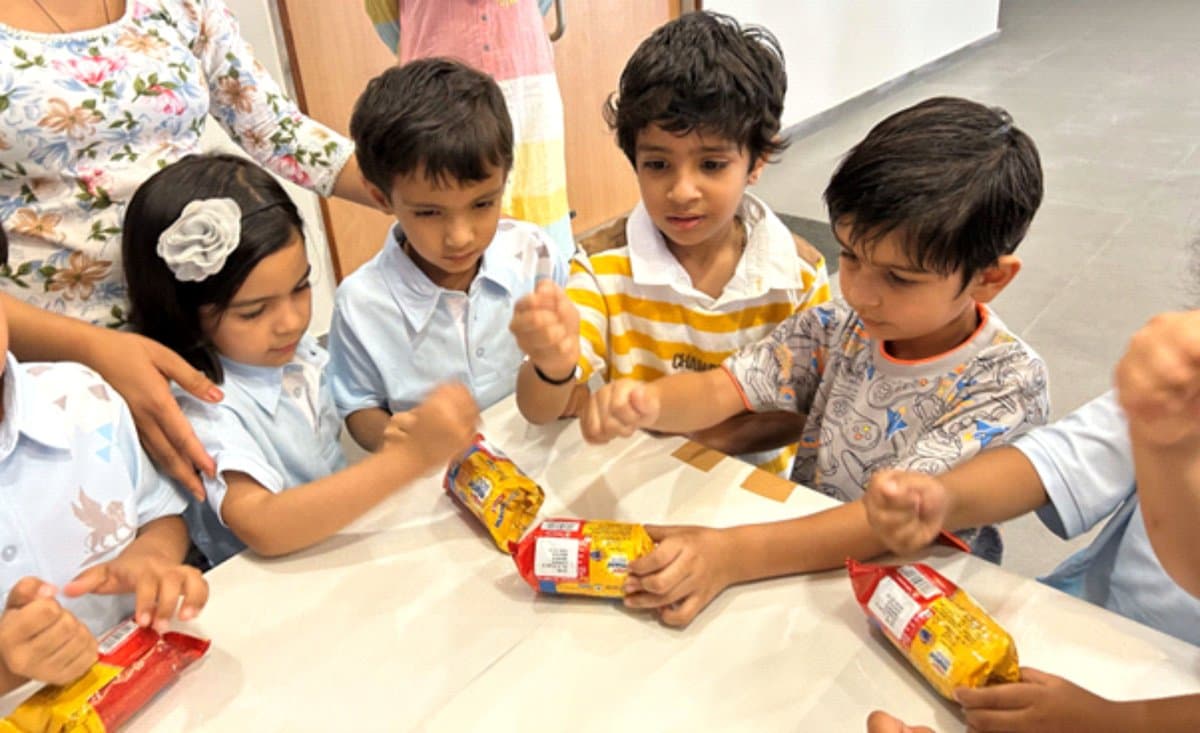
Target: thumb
(1036,676)
(91,580)
(176,369)
(659,532)
(642,402)
(27,590)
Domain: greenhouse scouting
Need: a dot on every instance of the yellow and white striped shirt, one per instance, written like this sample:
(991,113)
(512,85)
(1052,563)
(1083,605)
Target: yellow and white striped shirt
(641,318)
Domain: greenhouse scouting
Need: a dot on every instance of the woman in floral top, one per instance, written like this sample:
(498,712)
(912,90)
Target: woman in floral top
(96,95)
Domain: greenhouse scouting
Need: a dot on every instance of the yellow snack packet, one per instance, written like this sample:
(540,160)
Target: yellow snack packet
(580,557)
(491,487)
(944,633)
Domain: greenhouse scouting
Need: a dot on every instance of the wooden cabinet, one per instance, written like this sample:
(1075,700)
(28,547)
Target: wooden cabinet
(334,52)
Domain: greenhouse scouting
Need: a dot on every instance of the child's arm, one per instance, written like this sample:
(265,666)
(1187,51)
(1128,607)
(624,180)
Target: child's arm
(367,427)
(41,640)
(751,432)
(1045,702)
(152,568)
(140,369)
(414,442)
(545,324)
(680,403)
(1158,383)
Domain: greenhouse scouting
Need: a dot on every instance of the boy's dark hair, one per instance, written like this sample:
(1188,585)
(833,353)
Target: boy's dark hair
(167,309)
(435,112)
(955,177)
(3,248)
(703,71)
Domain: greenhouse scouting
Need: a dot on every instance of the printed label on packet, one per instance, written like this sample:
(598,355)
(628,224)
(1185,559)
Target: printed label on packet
(560,526)
(893,607)
(557,557)
(919,582)
(117,636)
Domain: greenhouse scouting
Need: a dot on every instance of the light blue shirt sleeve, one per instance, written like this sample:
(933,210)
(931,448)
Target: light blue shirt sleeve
(354,378)
(1085,462)
(232,448)
(155,495)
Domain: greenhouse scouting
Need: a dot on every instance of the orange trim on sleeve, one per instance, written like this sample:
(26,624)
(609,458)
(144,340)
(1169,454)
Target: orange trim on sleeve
(738,386)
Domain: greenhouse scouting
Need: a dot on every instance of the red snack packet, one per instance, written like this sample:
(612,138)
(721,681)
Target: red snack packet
(135,664)
(588,558)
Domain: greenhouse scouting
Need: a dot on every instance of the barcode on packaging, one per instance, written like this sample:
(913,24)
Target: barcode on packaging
(893,607)
(117,636)
(556,557)
(560,526)
(920,582)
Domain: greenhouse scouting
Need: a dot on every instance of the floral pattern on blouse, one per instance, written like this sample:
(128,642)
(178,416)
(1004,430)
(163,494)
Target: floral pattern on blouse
(86,117)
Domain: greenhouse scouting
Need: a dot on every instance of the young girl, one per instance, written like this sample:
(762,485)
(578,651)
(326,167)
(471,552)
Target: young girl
(218,272)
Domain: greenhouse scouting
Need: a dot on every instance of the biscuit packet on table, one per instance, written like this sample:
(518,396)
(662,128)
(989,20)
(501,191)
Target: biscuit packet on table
(135,664)
(499,494)
(944,633)
(579,557)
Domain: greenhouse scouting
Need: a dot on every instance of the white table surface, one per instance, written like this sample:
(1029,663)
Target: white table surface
(412,620)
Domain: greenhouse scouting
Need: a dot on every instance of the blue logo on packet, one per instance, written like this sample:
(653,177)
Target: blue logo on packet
(925,636)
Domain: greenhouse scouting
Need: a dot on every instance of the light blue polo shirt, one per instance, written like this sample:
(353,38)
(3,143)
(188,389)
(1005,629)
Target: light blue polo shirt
(276,425)
(1085,461)
(396,335)
(74,482)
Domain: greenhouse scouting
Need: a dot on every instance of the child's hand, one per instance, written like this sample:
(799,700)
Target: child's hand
(906,510)
(1039,702)
(159,586)
(881,722)
(437,430)
(685,571)
(546,326)
(40,640)
(618,409)
(1158,379)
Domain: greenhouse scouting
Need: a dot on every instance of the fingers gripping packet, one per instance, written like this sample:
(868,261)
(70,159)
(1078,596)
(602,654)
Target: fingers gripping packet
(579,557)
(135,664)
(492,488)
(942,630)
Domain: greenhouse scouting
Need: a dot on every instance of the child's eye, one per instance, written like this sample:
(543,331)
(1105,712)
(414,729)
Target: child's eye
(422,213)
(302,287)
(898,280)
(485,204)
(251,315)
(654,165)
(712,166)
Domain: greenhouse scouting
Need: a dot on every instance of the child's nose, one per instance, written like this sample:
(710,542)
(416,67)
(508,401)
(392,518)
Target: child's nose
(459,234)
(683,189)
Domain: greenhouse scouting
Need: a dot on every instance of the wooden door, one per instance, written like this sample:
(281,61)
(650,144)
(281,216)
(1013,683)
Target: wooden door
(334,52)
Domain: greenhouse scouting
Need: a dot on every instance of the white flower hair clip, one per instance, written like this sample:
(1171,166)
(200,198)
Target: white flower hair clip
(196,246)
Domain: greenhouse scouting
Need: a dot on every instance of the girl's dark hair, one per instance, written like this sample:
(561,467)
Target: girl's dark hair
(956,178)
(435,112)
(703,71)
(167,309)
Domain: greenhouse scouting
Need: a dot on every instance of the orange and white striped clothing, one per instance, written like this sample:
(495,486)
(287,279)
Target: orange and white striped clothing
(641,318)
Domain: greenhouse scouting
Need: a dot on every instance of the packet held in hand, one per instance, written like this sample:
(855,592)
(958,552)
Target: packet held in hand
(580,557)
(943,632)
(491,487)
(135,664)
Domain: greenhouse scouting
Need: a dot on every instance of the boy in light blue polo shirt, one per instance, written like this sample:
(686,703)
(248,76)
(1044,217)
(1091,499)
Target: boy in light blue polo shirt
(82,509)
(434,141)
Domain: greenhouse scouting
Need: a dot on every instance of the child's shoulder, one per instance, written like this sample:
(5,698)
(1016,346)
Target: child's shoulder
(70,390)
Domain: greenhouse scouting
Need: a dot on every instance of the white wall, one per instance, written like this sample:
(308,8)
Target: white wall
(259,24)
(838,49)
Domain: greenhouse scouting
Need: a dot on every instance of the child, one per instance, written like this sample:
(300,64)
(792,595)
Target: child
(912,370)
(80,493)
(218,272)
(707,267)
(1075,473)
(435,145)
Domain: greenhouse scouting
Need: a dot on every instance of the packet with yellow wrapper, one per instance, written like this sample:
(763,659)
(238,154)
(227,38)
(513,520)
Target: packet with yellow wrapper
(135,664)
(580,557)
(944,633)
(499,494)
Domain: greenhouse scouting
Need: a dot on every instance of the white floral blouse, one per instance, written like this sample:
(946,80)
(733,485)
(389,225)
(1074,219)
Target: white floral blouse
(86,117)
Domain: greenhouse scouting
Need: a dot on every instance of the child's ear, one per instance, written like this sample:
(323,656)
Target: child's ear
(991,281)
(756,170)
(382,200)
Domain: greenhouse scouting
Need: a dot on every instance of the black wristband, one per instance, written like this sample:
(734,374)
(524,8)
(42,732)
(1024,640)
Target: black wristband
(556,382)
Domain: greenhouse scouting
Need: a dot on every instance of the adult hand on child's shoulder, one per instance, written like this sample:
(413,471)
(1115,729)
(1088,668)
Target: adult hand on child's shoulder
(906,509)
(881,722)
(1039,703)
(41,640)
(1158,378)
(688,567)
(545,324)
(141,370)
(160,586)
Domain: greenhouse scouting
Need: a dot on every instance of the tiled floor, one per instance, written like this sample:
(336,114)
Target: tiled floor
(1109,91)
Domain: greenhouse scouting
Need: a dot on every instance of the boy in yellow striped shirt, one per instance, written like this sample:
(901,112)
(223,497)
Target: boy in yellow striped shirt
(707,267)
